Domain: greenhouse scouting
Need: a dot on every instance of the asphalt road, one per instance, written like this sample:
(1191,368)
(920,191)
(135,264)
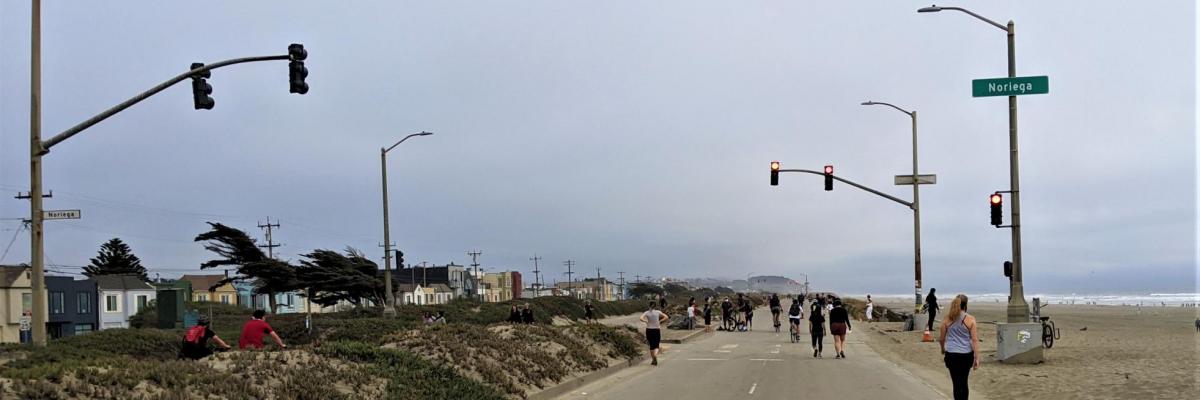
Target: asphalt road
(761,364)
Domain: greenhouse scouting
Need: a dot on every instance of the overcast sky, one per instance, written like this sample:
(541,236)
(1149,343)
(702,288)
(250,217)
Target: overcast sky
(627,135)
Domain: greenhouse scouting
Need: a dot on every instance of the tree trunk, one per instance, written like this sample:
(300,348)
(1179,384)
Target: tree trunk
(271,302)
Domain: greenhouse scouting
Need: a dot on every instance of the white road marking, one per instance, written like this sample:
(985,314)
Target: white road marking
(722,351)
(729,346)
(707,359)
(766,359)
(752,387)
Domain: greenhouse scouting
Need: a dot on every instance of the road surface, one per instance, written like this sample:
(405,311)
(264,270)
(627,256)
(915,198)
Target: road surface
(761,364)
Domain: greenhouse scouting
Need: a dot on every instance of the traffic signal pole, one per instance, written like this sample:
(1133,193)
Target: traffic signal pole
(39,148)
(852,183)
(1018,309)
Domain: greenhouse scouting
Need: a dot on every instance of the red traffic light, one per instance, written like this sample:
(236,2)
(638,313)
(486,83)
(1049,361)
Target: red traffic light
(996,198)
(828,170)
(774,165)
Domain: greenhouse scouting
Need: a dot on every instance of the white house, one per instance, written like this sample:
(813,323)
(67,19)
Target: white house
(121,296)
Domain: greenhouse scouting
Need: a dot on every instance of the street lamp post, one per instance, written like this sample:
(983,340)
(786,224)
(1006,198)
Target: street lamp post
(916,203)
(1018,309)
(387,239)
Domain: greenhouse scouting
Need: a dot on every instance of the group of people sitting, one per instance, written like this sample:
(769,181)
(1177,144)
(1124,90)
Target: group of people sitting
(195,341)
(520,315)
(433,318)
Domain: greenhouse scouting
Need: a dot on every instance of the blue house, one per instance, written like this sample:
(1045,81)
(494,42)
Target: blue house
(72,306)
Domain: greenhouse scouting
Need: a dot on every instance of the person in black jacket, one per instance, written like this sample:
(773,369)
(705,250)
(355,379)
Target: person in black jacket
(514,314)
(839,325)
(726,313)
(527,314)
(816,328)
(931,308)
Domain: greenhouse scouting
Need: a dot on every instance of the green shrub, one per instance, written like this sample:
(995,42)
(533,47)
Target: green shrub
(409,376)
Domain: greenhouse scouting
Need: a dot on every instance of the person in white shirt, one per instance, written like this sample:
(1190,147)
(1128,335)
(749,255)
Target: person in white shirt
(653,319)
(870,309)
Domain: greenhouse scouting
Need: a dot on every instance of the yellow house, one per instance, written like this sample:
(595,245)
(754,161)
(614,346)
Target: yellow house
(203,289)
(16,301)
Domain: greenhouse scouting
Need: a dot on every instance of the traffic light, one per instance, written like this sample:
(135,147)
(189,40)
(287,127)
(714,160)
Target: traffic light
(296,70)
(201,89)
(774,173)
(1008,269)
(997,202)
(828,177)
(399,258)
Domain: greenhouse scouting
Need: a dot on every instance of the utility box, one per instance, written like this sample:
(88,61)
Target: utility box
(170,306)
(1019,343)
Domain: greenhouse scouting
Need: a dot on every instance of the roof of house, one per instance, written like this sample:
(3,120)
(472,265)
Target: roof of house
(121,282)
(203,282)
(10,273)
(440,287)
(406,287)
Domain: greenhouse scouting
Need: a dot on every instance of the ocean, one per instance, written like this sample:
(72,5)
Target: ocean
(1149,299)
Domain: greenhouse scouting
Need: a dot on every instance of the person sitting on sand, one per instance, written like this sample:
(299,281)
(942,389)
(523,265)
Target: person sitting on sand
(527,314)
(195,341)
(514,314)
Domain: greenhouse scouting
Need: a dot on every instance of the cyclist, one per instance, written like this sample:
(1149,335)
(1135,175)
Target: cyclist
(795,315)
(776,308)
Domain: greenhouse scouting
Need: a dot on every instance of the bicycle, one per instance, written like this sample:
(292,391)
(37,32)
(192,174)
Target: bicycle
(1049,332)
(794,330)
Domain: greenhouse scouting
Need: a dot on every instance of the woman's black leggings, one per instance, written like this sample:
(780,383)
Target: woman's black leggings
(818,339)
(960,365)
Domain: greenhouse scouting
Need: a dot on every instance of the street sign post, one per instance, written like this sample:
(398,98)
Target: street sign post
(1017,86)
(930,179)
(61,214)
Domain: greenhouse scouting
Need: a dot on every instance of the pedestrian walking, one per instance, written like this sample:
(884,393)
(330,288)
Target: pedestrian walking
(776,309)
(653,319)
(816,329)
(870,309)
(748,313)
(931,308)
(662,301)
(839,325)
(589,311)
(960,345)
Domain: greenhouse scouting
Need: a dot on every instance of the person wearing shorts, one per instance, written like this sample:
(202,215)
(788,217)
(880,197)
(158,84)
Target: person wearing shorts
(839,325)
(653,319)
(776,309)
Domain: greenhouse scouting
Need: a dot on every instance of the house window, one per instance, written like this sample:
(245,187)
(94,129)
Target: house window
(203,297)
(112,303)
(142,301)
(85,302)
(57,303)
(26,303)
(225,299)
(83,328)
(291,299)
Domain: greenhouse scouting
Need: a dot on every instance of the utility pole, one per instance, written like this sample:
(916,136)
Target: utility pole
(475,263)
(423,282)
(570,283)
(599,285)
(271,245)
(622,275)
(536,284)
(35,176)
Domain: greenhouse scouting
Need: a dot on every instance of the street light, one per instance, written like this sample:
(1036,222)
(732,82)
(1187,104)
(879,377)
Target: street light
(1018,309)
(916,203)
(387,239)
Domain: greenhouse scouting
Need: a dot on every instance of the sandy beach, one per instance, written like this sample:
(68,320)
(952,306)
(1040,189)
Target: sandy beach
(1125,353)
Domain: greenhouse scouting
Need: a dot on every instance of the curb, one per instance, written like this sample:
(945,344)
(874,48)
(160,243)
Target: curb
(578,382)
(686,338)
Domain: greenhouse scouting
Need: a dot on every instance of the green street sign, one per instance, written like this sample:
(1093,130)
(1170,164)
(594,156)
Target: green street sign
(1020,85)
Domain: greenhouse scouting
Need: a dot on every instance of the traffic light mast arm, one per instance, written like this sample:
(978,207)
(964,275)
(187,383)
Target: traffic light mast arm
(47,144)
(876,192)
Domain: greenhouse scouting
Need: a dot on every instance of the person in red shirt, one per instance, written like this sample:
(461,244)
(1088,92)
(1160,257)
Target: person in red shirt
(255,329)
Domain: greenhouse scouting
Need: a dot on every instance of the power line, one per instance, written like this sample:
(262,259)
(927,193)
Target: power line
(10,242)
(271,245)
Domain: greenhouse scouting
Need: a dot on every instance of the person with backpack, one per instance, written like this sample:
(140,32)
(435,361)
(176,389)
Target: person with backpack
(195,341)
(726,313)
(254,331)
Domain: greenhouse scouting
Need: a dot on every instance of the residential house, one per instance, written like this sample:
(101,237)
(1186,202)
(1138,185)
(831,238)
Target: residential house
(573,289)
(206,288)
(508,283)
(456,277)
(16,299)
(416,294)
(602,289)
(72,306)
(121,296)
